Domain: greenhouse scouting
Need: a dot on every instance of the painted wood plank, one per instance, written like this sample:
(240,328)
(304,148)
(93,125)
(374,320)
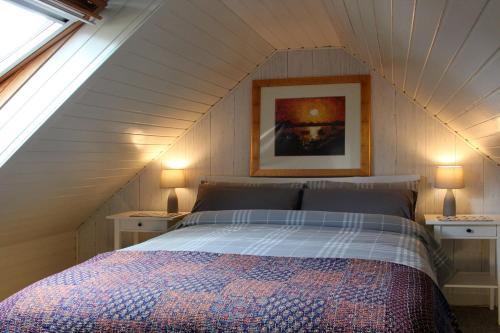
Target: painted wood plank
(260,19)
(191,13)
(140,94)
(285,16)
(106,114)
(458,20)
(324,25)
(182,49)
(300,13)
(483,84)
(148,65)
(383,21)
(488,108)
(232,22)
(369,27)
(242,117)
(481,45)
(401,37)
(100,100)
(155,83)
(355,19)
(300,63)
(222,137)
(383,127)
(428,16)
(83,123)
(41,258)
(68,135)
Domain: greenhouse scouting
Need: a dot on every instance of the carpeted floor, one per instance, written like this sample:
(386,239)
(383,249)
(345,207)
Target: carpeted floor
(476,319)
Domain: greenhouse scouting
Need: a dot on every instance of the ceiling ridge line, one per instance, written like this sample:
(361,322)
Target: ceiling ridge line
(269,45)
(244,21)
(228,46)
(196,46)
(463,138)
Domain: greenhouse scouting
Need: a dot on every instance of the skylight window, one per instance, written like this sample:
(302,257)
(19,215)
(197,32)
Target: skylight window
(26,26)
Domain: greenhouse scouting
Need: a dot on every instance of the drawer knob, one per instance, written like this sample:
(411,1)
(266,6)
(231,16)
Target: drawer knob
(469,230)
(140,225)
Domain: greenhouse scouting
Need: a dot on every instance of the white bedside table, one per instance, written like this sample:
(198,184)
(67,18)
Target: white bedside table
(472,230)
(143,221)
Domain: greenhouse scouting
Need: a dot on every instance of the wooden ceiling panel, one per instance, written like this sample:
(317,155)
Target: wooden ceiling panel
(180,62)
(443,54)
(288,23)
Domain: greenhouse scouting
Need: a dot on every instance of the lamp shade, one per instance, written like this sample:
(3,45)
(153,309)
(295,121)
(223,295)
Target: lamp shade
(172,178)
(449,177)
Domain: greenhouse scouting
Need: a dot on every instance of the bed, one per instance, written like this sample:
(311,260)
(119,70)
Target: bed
(249,270)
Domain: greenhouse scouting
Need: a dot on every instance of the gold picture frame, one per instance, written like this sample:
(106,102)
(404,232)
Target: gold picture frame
(301,125)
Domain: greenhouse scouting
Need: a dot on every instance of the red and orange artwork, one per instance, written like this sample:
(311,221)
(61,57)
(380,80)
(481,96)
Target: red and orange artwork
(310,126)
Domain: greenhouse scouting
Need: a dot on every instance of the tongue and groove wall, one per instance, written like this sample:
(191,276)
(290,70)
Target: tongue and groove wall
(406,140)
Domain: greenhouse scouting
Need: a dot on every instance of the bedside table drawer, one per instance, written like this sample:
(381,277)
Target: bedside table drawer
(468,231)
(138,225)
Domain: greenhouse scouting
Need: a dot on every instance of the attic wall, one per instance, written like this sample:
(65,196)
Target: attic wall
(406,140)
(61,174)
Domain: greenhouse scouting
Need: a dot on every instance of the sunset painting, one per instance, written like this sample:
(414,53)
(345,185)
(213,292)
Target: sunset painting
(311,126)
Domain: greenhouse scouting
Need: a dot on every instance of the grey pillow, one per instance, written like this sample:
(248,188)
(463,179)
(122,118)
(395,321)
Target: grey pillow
(219,197)
(371,201)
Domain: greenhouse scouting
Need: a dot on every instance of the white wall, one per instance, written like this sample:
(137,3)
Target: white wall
(406,140)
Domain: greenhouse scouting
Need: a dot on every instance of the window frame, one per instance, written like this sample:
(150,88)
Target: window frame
(69,24)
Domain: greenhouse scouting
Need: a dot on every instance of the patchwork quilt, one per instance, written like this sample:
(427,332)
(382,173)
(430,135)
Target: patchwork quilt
(251,271)
(160,291)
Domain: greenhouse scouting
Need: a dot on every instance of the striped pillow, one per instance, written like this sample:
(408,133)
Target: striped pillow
(328,184)
(272,185)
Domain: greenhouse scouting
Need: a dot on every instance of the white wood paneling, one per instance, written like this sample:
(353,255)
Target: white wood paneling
(288,23)
(406,140)
(445,55)
(30,261)
(178,63)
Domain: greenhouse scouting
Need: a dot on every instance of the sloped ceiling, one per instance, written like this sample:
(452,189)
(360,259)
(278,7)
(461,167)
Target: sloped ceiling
(444,54)
(190,53)
(186,57)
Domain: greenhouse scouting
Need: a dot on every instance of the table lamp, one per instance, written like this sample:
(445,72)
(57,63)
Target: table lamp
(449,177)
(172,179)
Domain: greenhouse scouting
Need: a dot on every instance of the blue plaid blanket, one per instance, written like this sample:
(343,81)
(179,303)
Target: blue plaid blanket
(311,234)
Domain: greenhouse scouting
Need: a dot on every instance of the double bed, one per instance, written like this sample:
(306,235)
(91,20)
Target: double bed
(251,270)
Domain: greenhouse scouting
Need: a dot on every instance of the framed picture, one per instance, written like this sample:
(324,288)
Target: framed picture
(311,127)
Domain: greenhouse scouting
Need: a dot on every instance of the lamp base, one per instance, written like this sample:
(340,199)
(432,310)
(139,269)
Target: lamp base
(172,202)
(449,204)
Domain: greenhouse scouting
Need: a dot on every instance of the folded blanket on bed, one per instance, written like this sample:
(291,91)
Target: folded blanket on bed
(151,291)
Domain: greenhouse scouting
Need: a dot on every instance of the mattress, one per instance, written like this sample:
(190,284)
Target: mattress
(270,271)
